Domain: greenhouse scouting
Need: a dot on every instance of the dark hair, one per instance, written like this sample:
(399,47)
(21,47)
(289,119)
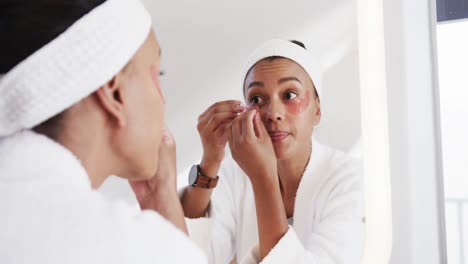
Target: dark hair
(28,25)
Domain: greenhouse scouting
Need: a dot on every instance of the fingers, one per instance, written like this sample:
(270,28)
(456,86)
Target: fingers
(230,137)
(218,120)
(248,132)
(232,106)
(237,127)
(168,144)
(166,168)
(217,115)
(167,136)
(140,188)
(220,133)
(259,127)
(234,131)
(255,126)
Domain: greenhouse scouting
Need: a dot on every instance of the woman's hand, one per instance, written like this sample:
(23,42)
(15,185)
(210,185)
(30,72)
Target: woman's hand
(212,129)
(251,147)
(160,192)
(165,177)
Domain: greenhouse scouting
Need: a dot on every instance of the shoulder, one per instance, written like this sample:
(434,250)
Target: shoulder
(339,163)
(84,227)
(127,235)
(338,185)
(341,172)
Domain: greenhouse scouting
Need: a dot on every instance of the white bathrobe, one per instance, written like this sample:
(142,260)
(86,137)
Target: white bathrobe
(50,214)
(328,224)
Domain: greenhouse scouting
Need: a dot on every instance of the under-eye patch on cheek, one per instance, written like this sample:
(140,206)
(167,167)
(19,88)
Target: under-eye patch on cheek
(155,78)
(298,105)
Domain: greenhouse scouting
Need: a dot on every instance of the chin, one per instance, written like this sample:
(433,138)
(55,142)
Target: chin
(143,173)
(281,152)
(288,151)
(150,173)
(149,167)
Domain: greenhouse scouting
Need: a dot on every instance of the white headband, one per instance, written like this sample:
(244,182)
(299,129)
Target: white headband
(73,65)
(289,50)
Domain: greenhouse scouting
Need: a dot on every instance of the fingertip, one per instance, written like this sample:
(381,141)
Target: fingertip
(227,127)
(248,108)
(239,108)
(259,124)
(252,113)
(166,135)
(257,116)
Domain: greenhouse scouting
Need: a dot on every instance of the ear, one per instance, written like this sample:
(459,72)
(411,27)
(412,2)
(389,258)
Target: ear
(111,97)
(318,112)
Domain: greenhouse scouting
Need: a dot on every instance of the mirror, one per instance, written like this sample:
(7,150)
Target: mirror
(206,44)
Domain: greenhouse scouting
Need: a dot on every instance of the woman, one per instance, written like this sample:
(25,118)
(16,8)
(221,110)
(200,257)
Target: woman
(282,197)
(80,100)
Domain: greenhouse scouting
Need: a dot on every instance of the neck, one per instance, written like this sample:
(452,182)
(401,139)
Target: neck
(83,130)
(88,150)
(290,171)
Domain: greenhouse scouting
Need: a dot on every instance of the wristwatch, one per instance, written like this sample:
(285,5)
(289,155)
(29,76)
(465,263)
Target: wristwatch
(198,179)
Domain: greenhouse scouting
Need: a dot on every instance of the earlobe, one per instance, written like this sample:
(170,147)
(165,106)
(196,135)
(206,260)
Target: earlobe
(111,99)
(318,117)
(318,113)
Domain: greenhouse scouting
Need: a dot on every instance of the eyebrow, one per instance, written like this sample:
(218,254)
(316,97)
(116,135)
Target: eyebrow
(280,81)
(287,79)
(254,83)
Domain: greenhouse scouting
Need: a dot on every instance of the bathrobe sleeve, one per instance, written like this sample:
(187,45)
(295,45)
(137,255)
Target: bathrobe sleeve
(337,236)
(215,234)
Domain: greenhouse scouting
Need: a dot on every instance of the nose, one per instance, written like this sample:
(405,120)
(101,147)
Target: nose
(275,111)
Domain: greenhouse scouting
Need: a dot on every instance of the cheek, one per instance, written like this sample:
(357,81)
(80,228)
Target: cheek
(148,113)
(155,78)
(299,105)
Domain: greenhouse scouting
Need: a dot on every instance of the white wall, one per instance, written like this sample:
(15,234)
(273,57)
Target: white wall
(205,45)
(452,44)
(452,41)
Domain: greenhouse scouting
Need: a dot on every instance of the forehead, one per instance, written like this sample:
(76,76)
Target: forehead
(150,50)
(153,42)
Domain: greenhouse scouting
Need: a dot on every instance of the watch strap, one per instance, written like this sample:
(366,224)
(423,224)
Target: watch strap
(204,181)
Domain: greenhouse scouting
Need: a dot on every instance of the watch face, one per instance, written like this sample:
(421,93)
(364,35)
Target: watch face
(193,175)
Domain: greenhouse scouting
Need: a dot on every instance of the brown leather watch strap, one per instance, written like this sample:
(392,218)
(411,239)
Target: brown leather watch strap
(205,181)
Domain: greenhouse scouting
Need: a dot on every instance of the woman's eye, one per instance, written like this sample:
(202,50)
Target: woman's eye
(255,99)
(162,73)
(290,95)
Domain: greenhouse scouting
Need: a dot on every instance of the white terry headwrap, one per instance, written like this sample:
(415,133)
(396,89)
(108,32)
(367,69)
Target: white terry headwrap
(73,65)
(289,50)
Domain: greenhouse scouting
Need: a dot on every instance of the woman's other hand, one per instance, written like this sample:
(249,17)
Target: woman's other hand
(251,147)
(212,129)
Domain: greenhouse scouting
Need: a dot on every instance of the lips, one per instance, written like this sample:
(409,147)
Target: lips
(277,136)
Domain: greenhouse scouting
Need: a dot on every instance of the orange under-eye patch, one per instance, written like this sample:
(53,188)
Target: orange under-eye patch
(298,105)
